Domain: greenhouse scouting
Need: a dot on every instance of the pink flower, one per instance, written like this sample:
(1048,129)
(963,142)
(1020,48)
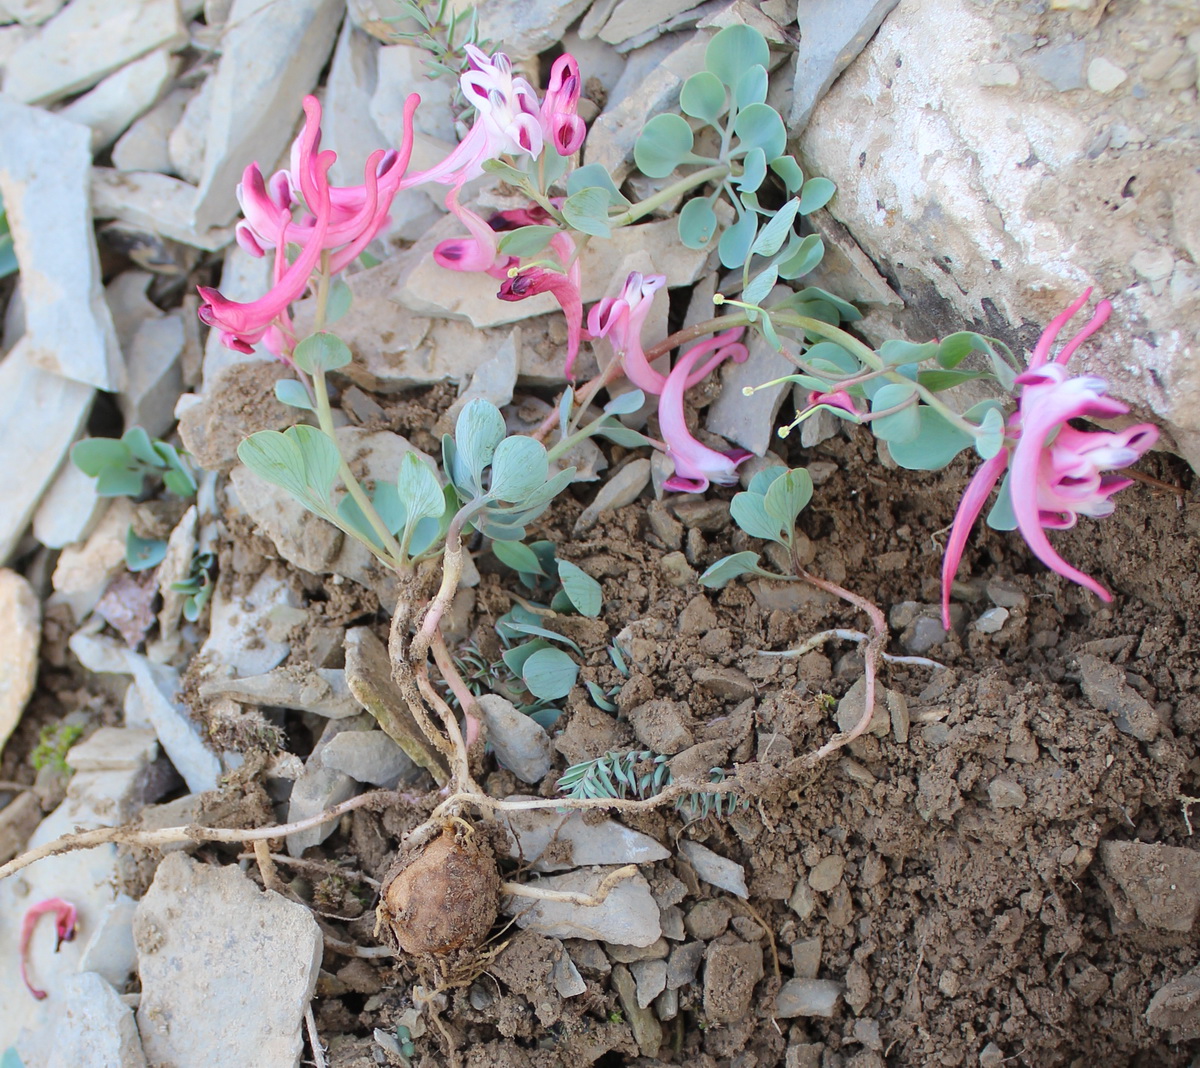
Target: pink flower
(696,465)
(243,324)
(837,399)
(358,213)
(621,320)
(65,919)
(561,127)
(1055,471)
(565,287)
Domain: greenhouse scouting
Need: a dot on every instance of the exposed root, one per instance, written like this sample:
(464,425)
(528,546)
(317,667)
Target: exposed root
(846,635)
(572,897)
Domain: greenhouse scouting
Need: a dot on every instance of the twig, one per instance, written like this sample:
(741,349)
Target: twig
(266,866)
(132,836)
(843,634)
(572,897)
(314,1040)
(350,949)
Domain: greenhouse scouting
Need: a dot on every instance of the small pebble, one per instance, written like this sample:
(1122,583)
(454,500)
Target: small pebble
(1004,793)
(997,74)
(1104,76)
(807,997)
(827,874)
(992,621)
(806,958)
(651,979)
(684,964)
(676,570)
(1005,594)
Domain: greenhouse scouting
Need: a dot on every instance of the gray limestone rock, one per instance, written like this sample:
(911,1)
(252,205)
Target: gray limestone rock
(253,954)
(628,916)
(832,33)
(623,488)
(715,869)
(160,204)
(143,147)
(20,638)
(64,58)
(367,756)
(322,691)
(521,745)
(237,641)
(44,182)
(95,1027)
(553,841)
(523,28)
(807,997)
(321,786)
(270,57)
(122,97)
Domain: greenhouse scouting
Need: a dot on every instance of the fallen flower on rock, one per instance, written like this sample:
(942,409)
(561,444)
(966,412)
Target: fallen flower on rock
(65,919)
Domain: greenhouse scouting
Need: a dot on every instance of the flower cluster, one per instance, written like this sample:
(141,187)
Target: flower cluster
(1056,473)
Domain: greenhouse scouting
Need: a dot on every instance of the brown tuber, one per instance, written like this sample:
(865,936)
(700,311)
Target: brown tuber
(442,899)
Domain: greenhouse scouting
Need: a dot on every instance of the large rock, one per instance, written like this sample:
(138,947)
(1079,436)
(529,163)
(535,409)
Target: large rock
(87,40)
(523,28)
(271,55)
(122,97)
(227,969)
(44,181)
(20,636)
(96,1027)
(991,191)
(627,917)
(41,414)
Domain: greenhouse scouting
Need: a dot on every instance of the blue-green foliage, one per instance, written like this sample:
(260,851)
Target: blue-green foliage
(121,466)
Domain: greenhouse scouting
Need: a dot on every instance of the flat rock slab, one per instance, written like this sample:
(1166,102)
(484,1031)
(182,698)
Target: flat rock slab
(20,636)
(95,1027)
(554,841)
(41,414)
(271,55)
(44,175)
(87,40)
(629,915)
(227,970)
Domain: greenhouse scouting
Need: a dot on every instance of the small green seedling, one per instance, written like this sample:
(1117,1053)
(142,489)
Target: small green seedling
(198,586)
(121,466)
(54,742)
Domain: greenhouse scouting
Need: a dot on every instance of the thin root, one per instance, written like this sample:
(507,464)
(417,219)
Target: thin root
(314,1040)
(570,897)
(845,635)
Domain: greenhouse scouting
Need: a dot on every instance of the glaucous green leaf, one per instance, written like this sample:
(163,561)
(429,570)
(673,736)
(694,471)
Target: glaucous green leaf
(664,143)
(760,285)
(526,240)
(788,496)
(697,223)
(519,467)
(728,568)
(549,674)
(772,236)
(903,425)
(734,50)
(848,312)
(626,403)
(584,591)
(754,171)
(587,211)
(1002,516)
(506,171)
(119,482)
(536,630)
(477,432)
(703,97)
(141,554)
(991,436)
(762,480)
(319,456)
(734,246)
(789,171)
(565,404)
(595,174)
(142,447)
(514,659)
(936,381)
(292,393)
(418,489)
(897,352)
(954,348)
(518,556)
(807,257)
(323,351)
(93,455)
(750,514)
(759,126)
(623,436)
(751,87)
(830,356)
(816,193)
(274,458)
(936,444)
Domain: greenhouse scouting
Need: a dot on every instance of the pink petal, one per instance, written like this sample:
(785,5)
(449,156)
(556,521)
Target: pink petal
(973,500)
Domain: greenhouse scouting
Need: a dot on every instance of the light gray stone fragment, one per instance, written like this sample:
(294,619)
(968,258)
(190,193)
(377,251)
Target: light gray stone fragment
(94,1027)
(237,639)
(67,56)
(628,916)
(30,12)
(807,997)
(1106,688)
(651,978)
(521,745)
(116,102)
(832,33)
(158,686)
(110,951)
(750,421)
(632,17)
(159,203)
(992,621)
(255,953)
(318,788)
(44,182)
(114,749)
(1061,65)
(367,756)
(573,841)
(185,144)
(270,57)
(566,978)
(143,147)
(154,375)
(20,638)
(323,691)
(523,28)
(623,488)
(647,1031)
(18,819)
(715,869)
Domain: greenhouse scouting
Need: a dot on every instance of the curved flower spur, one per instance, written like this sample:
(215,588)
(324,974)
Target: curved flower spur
(1056,473)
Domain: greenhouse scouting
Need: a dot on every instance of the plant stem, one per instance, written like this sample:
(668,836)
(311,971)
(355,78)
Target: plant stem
(644,207)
